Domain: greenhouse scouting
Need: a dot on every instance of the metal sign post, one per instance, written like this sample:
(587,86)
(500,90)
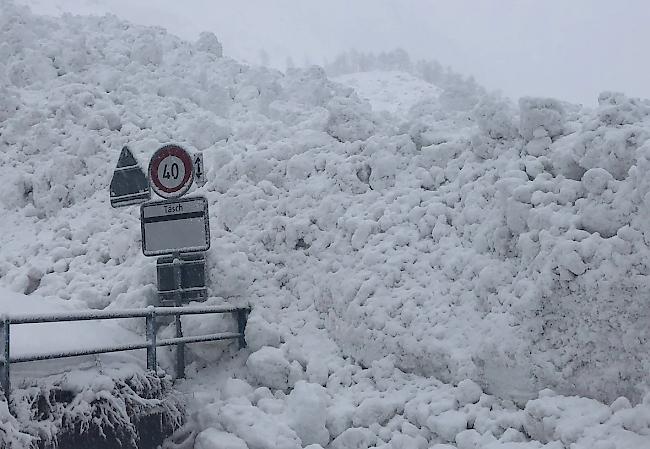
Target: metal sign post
(5,374)
(176,227)
(192,267)
(180,349)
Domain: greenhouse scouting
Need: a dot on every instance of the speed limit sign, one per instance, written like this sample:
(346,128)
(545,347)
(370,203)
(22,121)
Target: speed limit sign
(171,171)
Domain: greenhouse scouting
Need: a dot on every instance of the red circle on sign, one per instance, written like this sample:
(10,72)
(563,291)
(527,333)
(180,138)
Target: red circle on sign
(160,155)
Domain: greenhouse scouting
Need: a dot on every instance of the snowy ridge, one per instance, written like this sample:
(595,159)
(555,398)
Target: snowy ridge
(381,89)
(465,238)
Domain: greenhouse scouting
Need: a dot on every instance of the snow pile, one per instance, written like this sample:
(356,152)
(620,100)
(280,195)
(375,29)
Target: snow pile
(461,235)
(382,407)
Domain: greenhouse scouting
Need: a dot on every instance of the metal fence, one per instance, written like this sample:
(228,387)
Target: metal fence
(151,343)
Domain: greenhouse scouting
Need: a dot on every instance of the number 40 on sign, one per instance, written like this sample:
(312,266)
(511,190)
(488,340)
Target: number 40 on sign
(172,171)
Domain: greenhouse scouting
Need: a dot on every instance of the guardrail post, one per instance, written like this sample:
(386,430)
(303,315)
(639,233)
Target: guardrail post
(242,317)
(5,356)
(151,339)
(180,347)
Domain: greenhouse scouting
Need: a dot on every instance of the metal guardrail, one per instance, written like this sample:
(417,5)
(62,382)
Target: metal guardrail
(151,343)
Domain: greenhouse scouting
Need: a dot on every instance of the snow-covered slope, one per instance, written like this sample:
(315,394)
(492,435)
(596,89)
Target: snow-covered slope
(391,91)
(388,256)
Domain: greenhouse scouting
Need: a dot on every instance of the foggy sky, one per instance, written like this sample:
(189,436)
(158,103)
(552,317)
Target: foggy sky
(569,49)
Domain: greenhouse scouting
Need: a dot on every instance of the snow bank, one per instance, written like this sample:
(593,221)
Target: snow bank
(468,239)
(382,407)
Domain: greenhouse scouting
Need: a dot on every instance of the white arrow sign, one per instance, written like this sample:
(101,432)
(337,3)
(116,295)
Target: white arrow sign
(199,169)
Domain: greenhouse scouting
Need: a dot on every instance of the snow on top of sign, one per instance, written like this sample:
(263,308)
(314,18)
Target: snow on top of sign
(388,257)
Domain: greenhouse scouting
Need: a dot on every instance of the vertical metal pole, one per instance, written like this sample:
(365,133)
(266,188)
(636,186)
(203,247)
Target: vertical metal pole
(151,339)
(5,371)
(180,348)
(242,317)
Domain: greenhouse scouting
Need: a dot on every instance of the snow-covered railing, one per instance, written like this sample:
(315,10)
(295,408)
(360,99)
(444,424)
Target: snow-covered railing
(151,343)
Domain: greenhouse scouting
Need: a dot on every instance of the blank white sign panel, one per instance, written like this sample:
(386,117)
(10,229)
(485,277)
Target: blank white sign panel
(175,226)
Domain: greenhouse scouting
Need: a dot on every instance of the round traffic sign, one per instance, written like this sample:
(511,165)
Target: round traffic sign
(170,171)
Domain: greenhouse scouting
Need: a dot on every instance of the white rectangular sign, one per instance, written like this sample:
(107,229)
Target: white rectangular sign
(175,226)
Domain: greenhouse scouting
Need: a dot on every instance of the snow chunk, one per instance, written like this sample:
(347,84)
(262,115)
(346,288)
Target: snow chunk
(269,367)
(373,410)
(258,429)
(349,120)
(236,388)
(494,118)
(471,439)
(317,371)
(563,418)
(521,445)
(468,392)
(215,439)
(620,403)
(544,113)
(354,438)
(339,417)
(307,413)
(260,333)
(448,424)
(596,180)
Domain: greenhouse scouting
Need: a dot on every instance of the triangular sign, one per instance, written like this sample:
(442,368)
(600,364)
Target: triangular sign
(129,184)
(126,159)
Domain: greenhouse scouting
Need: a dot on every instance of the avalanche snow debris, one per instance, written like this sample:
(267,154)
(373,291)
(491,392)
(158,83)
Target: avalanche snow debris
(270,367)
(456,237)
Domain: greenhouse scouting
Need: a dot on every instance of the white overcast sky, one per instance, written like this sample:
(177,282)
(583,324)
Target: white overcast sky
(570,49)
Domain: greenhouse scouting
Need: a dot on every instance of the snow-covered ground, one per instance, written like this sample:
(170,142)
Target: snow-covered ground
(395,92)
(61,337)
(428,265)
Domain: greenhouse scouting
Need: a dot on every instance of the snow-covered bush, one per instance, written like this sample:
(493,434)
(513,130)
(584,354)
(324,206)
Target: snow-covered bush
(106,410)
(11,434)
